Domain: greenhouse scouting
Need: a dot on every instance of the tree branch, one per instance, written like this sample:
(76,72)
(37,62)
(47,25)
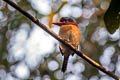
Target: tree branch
(49,31)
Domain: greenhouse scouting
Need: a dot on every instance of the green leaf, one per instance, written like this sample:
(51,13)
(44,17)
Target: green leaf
(112,16)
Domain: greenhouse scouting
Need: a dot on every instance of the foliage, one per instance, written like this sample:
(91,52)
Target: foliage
(27,52)
(52,14)
(112,16)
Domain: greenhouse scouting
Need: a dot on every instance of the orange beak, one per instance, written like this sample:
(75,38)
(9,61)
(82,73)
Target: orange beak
(59,23)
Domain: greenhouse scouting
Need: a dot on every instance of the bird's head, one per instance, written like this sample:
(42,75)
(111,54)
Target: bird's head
(65,21)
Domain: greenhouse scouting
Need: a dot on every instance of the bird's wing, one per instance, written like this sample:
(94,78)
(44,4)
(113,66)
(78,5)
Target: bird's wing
(75,37)
(60,50)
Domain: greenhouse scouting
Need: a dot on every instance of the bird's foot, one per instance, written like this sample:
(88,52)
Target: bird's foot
(66,40)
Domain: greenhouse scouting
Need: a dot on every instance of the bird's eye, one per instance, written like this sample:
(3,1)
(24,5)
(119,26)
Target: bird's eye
(70,20)
(62,20)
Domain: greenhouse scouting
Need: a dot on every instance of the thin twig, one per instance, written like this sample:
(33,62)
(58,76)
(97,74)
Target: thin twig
(49,31)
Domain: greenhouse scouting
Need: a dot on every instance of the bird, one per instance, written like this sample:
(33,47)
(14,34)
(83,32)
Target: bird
(69,32)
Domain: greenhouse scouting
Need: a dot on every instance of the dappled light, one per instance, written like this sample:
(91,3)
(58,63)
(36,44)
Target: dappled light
(29,53)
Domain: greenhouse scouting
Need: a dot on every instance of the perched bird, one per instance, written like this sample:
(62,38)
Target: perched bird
(69,31)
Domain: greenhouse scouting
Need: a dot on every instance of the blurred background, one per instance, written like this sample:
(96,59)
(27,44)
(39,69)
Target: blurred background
(29,53)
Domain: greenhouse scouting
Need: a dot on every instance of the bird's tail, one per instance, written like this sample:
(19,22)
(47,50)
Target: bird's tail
(65,62)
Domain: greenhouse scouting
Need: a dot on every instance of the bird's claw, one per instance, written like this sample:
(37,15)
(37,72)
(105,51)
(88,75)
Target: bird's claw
(66,40)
